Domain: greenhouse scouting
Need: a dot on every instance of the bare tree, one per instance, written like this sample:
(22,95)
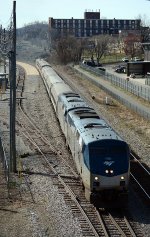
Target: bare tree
(145,21)
(101,45)
(145,28)
(69,49)
(145,34)
(132,45)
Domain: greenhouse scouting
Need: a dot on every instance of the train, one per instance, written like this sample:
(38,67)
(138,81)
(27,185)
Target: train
(101,156)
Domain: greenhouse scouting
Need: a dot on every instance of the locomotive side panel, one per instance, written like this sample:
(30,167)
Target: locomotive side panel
(61,115)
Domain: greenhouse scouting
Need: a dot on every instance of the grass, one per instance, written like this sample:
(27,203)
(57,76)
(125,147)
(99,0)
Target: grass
(111,58)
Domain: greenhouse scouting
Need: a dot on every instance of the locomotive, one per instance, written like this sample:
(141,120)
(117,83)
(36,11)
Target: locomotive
(101,156)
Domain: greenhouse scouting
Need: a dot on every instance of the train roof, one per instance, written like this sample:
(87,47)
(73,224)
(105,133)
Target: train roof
(96,129)
(42,63)
(72,102)
(50,72)
(90,126)
(51,77)
(58,89)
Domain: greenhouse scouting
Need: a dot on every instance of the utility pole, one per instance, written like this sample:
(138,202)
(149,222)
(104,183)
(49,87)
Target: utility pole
(12,57)
(14,89)
(5,53)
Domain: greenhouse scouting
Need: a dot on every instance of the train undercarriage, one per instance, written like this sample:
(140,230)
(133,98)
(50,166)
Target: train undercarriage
(108,198)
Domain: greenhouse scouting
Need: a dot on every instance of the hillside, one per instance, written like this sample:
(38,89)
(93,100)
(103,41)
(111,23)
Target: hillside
(32,42)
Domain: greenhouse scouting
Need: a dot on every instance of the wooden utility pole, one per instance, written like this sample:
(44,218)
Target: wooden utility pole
(5,52)
(14,90)
(12,57)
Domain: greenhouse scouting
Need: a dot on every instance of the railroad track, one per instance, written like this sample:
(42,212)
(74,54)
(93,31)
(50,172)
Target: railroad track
(140,178)
(63,176)
(69,185)
(112,225)
(93,222)
(118,224)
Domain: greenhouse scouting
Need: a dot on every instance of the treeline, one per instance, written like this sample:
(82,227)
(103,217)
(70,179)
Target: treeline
(67,48)
(35,30)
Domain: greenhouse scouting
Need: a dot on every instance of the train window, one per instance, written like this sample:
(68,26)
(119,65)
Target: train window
(108,153)
(87,110)
(117,150)
(75,100)
(77,96)
(95,125)
(98,151)
(67,96)
(88,116)
(71,95)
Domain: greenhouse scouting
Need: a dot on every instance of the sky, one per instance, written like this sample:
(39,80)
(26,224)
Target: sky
(28,11)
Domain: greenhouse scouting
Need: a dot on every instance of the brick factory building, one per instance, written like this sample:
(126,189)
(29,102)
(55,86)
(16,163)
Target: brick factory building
(92,25)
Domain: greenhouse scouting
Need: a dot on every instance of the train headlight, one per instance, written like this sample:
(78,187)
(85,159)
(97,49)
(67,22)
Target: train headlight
(111,171)
(122,178)
(96,178)
(106,171)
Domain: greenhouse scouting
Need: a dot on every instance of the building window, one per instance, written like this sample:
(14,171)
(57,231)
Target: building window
(96,23)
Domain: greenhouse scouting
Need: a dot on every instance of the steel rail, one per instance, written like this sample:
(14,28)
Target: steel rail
(140,163)
(73,196)
(140,186)
(47,142)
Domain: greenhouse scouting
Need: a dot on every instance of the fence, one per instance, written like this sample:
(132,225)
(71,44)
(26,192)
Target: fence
(147,81)
(4,160)
(139,90)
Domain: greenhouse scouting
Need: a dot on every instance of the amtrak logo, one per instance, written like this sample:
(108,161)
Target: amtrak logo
(108,163)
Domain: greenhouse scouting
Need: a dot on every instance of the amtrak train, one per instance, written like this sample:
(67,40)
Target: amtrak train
(101,156)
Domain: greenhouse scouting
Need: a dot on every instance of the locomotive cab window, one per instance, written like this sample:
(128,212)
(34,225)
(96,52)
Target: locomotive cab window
(107,156)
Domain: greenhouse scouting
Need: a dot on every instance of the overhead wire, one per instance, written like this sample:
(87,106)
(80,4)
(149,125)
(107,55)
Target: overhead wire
(6,37)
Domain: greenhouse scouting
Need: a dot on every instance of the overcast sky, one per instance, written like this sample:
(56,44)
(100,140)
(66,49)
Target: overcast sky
(28,11)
